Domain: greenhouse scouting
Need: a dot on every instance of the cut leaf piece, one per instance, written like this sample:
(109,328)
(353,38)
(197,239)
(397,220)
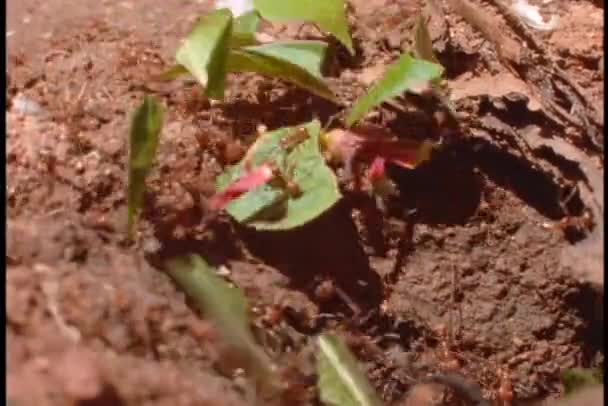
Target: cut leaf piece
(273,206)
(341,381)
(143,142)
(329,15)
(227,308)
(405,74)
(205,52)
(254,59)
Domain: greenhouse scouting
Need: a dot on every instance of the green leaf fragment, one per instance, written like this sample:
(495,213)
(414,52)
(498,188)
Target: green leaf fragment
(575,379)
(303,71)
(218,45)
(227,307)
(173,73)
(341,381)
(405,74)
(244,29)
(247,23)
(271,207)
(308,55)
(329,15)
(205,52)
(143,142)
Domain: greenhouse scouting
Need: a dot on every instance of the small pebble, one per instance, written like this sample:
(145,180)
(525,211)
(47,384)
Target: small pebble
(26,106)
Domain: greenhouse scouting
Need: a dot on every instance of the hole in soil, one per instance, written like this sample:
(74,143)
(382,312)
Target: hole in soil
(443,191)
(588,303)
(107,397)
(516,174)
(457,62)
(339,58)
(328,247)
(570,169)
(513,109)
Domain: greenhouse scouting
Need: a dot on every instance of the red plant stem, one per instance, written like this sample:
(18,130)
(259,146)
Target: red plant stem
(249,181)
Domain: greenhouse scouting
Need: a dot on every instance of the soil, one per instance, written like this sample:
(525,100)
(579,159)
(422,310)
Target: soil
(490,264)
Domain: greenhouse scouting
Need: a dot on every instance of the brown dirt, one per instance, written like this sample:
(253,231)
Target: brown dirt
(481,279)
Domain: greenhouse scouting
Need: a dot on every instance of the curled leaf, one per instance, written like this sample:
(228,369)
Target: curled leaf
(205,51)
(227,308)
(143,141)
(365,144)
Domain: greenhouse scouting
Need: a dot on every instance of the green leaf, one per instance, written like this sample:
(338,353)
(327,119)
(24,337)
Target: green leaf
(227,307)
(578,378)
(308,55)
(405,74)
(329,15)
(145,131)
(244,29)
(423,43)
(173,73)
(247,23)
(205,52)
(303,70)
(298,62)
(341,381)
(271,207)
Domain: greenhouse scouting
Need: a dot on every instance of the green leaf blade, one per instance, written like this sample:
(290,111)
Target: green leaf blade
(423,42)
(205,51)
(575,379)
(329,15)
(244,29)
(247,23)
(262,60)
(308,55)
(227,307)
(144,137)
(401,76)
(341,381)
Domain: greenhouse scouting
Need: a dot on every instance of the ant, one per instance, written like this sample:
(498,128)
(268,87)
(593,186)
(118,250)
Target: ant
(288,144)
(293,139)
(286,181)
